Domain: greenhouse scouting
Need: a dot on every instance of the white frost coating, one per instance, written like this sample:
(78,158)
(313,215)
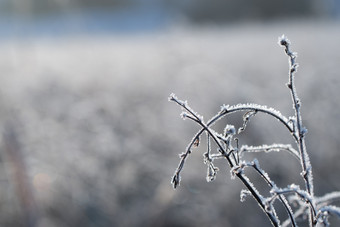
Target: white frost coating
(243,194)
(184,115)
(246,118)
(324,212)
(304,131)
(229,130)
(283,40)
(239,169)
(328,198)
(254,188)
(331,209)
(224,107)
(256,163)
(261,108)
(292,123)
(293,188)
(172,97)
(211,172)
(269,148)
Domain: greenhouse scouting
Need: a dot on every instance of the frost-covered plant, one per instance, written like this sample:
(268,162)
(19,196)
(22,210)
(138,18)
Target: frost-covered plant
(315,209)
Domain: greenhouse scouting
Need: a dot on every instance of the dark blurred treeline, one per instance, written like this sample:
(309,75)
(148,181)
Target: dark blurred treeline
(192,10)
(41,7)
(233,10)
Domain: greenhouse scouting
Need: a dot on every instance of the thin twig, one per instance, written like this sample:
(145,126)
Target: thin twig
(300,131)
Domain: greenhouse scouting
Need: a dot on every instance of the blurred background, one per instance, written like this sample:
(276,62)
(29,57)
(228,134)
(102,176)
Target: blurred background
(88,137)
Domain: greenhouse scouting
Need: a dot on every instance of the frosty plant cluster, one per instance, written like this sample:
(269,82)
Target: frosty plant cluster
(310,208)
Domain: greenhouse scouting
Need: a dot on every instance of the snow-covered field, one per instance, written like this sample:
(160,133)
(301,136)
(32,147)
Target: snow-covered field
(90,136)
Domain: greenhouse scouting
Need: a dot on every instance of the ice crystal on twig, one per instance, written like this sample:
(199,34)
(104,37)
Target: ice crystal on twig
(244,193)
(246,118)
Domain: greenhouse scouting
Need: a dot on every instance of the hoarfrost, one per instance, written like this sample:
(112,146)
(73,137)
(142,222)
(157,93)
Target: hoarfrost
(211,172)
(246,119)
(270,148)
(243,194)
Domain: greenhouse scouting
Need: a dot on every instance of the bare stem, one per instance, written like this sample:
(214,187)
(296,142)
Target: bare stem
(300,131)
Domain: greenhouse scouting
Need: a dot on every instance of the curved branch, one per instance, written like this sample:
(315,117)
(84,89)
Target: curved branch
(303,195)
(269,148)
(328,198)
(176,178)
(330,209)
(271,183)
(225,110)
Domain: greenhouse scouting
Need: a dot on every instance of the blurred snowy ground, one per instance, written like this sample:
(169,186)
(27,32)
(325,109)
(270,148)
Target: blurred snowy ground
(89,138)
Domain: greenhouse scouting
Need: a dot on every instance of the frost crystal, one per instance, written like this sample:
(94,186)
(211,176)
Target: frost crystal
(211,172)
(246,118)
(175,180)
(224,107)
(229,130)
(172,97)
(244,193)
(184,115)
